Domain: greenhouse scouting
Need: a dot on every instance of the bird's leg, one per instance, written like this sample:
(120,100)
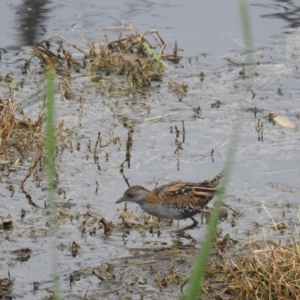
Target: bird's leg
(195,223)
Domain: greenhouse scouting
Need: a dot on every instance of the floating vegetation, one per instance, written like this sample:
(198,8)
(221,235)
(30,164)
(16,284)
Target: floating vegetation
(119,67)
(96,222)
(7,223)
(22,254)
(6,285)
(179,89)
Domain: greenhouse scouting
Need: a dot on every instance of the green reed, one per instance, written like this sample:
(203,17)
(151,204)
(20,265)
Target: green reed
(194,288)
(50,170)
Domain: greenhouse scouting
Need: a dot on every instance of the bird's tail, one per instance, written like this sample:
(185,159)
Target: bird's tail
(215,181)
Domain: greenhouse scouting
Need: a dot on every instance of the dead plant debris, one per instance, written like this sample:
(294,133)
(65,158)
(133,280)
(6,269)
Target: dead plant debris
(20,136)
(179,89)
(119,67)
(6,285)
(95,222)
(268,271)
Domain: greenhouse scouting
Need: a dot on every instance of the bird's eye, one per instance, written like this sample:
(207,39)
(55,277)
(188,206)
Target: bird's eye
(129,195)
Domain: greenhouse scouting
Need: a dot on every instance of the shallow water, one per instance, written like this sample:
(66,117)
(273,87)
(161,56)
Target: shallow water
(264,172)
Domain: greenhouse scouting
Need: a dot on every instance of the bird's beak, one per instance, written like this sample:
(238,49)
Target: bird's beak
(122,199)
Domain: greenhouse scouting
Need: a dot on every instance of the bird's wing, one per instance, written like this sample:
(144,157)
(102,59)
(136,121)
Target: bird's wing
(185,194)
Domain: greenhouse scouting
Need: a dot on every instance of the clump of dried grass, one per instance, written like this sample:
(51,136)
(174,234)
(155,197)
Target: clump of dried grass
(6,285)
(267,271)
(127,64)
(20,136)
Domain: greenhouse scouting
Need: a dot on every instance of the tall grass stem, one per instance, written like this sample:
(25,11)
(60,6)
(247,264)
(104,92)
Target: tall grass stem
(50,170)
(194,288)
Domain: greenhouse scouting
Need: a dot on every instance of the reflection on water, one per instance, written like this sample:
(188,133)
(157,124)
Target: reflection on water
(288,11)
(31,20)
(30,17)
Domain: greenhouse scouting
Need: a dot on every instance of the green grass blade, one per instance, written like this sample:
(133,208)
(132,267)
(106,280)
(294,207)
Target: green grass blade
(50,169)
(203,255)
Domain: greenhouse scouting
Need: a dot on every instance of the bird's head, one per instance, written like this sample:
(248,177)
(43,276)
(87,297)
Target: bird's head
(136,194)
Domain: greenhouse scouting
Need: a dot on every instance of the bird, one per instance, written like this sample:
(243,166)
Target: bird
(176,201)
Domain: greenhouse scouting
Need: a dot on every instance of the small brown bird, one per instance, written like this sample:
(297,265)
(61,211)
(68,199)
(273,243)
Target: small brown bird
(176,201)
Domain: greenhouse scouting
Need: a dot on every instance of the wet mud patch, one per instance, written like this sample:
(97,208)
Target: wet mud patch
(147,272)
